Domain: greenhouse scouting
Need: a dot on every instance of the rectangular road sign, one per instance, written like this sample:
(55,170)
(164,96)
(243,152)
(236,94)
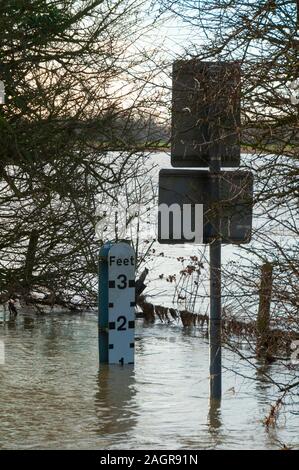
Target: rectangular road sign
(205,113)
(195,187)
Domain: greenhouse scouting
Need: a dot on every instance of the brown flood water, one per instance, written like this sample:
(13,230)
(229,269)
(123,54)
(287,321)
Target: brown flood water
(53,396)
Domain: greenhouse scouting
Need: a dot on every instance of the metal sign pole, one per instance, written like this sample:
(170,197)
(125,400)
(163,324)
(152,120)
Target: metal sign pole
(206,119)
(215,291)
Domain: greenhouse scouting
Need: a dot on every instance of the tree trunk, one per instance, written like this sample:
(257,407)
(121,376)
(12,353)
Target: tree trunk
(30,259)
(263,317)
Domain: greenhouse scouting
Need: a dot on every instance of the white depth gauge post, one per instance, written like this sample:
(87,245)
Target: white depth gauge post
(116,303)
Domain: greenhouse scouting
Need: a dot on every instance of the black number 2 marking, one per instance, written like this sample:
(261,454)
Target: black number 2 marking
(122,326)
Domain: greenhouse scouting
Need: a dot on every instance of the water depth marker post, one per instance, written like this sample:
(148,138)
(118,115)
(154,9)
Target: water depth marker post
(116,303)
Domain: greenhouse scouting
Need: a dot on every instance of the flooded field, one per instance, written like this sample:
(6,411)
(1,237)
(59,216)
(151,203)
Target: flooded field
(53,395)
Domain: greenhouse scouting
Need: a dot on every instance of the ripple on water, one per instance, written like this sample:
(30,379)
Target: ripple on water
(52,395)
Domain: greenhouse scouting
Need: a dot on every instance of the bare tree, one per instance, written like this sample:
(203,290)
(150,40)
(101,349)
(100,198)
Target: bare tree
(263,37)
(70,131)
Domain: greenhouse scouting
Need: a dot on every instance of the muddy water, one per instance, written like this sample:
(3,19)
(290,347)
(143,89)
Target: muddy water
(52,394)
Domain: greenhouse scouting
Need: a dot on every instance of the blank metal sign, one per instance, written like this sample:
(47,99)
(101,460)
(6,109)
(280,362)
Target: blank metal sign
(196,187)
(205,113)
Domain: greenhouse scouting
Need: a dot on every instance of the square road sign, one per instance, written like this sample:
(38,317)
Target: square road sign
(205,113)
(191,187)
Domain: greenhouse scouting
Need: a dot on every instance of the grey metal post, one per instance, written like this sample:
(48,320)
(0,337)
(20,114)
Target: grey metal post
(215,292)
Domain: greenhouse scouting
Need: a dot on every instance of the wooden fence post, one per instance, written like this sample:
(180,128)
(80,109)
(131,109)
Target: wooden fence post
(263,316)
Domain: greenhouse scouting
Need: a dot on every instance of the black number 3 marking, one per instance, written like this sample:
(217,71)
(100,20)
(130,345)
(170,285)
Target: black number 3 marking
(123,280)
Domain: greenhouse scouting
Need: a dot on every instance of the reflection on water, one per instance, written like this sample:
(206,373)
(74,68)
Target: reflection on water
(214,416)
(114,400)
(53,395)
(215,423)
